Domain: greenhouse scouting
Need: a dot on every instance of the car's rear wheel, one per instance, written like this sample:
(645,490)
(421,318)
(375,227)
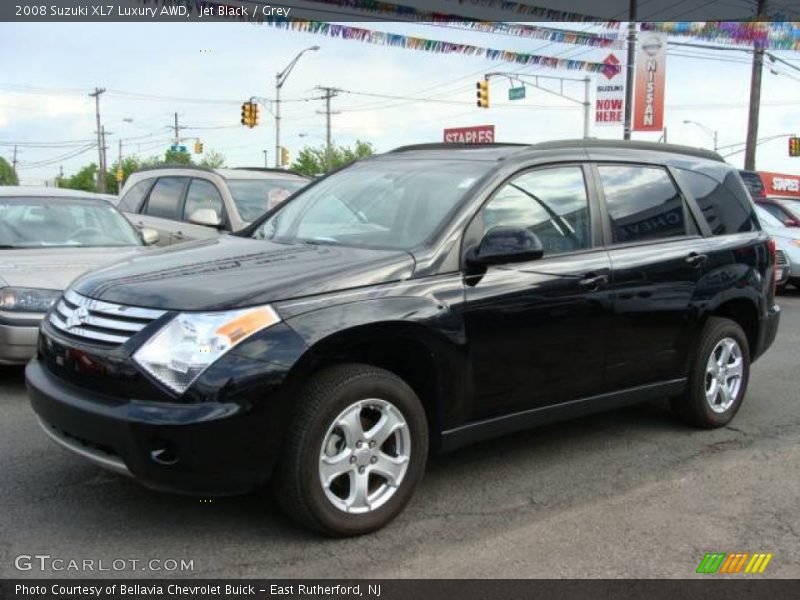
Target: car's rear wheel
(355,451)
(718,378)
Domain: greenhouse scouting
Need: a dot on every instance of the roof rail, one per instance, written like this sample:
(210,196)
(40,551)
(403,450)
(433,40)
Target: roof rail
(268,170)
(174,166)
(629,144)
(452,146)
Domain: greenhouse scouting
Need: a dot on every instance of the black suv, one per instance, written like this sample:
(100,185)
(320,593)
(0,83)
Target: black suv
(416,301)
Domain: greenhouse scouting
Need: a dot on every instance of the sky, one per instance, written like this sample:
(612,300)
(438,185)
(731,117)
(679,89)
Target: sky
(204,71)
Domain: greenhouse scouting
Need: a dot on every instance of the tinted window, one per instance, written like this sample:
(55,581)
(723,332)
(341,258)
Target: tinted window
(133,198)
(722,210)
(203,194)
(165,198)
(753,183)
(552,203)
(643,203)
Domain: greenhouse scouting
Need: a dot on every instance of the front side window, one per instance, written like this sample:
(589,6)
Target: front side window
(643,203)
(397,204)
(552,203)
(50,222)
(165,198)
(202,194)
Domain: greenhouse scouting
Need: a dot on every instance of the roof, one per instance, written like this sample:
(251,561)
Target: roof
(500,151)
(24,191)
(236,173)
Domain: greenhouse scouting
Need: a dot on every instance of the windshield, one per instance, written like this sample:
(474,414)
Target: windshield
(767,219)
(254,197)
(48,222)
(386,204)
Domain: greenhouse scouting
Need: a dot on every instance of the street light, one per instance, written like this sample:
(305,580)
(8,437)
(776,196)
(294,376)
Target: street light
(712,132)
(280,79)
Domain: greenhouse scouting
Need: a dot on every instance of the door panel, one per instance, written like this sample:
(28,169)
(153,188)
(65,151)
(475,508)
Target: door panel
(201,194)
(537,330)
(537,334)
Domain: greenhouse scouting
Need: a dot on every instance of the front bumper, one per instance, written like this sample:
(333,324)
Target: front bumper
(208,448)
(17,342)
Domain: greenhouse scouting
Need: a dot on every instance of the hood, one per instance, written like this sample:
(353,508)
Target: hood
(55,268)
(232,272)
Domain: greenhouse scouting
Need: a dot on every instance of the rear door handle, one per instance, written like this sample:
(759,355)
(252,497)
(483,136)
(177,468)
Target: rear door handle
(592,281)
(695,259)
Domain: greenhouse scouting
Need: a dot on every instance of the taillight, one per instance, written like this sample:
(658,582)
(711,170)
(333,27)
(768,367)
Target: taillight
(773,259)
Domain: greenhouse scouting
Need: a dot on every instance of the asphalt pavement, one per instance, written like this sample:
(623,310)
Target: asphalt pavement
(630,493)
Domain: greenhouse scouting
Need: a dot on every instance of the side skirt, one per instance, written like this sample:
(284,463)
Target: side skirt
(497,426)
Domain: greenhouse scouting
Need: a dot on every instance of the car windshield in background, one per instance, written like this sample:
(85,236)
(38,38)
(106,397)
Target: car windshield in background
(254,197)
(52,222)
(386,204)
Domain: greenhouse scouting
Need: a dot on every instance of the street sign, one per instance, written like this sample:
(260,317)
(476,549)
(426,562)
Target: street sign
(175,148)
(516,93)
(478,134)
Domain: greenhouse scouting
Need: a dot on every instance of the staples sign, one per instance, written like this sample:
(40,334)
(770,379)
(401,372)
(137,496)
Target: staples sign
(781,184)
(479,134)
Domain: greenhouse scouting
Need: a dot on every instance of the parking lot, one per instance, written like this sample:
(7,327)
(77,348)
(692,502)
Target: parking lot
(631,493)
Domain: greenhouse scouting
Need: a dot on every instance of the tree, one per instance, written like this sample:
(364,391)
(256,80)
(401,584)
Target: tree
(176,157)
(315,160)
(213,160)
(85,179)
(8,176)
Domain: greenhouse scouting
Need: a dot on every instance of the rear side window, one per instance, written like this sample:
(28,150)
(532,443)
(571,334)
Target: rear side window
(723,210)
(134,197)
(165,198)
(643,203)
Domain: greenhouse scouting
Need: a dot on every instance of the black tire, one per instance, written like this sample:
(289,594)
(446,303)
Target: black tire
(692,407)
(297,483)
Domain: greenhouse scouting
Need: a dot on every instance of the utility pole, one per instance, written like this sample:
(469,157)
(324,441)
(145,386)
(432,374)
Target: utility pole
(119,166)
(280,79)
(14,160)
(328,94)
(101,179)
(755,97)
(629,72)
(177,129)
(265,159)
(105,157)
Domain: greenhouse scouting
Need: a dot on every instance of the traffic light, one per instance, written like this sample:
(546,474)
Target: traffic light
(284,156)
(794,146)
(249,114)
(198,147)
(483,93)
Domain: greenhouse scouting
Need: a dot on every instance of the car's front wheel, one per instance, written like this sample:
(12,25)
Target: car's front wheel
(718,378)
(355,451)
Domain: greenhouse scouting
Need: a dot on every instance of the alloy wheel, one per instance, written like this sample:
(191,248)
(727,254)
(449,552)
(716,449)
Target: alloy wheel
(724,372)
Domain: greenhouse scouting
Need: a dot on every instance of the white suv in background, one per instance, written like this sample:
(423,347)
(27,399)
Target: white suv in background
(188,203)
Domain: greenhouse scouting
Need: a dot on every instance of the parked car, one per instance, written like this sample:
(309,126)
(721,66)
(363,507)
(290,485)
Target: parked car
(785,210)
(416,301)
(788,247)
(189,203)
(48,237)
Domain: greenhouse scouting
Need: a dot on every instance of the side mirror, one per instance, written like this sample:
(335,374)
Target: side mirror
(503,245)
(150,236)
(205,216)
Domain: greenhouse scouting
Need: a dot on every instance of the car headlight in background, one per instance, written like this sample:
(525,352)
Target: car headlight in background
(31,300)
(181,350)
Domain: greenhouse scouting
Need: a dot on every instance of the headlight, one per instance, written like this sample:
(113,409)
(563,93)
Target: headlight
(191,342)
(27,299)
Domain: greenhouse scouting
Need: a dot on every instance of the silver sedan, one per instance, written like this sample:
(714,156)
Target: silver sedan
(48,237)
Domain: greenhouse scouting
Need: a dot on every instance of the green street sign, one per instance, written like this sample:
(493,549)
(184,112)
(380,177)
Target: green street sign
(516,93)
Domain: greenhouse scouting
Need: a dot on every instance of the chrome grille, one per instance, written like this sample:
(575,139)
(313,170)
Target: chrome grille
(99,321)
(780,258)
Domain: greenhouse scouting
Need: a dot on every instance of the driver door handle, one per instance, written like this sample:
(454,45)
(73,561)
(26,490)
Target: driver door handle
(694,259)
(592,281)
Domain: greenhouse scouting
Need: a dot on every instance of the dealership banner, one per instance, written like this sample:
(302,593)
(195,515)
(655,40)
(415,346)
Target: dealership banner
(708,587)
(609,104)
(651,63)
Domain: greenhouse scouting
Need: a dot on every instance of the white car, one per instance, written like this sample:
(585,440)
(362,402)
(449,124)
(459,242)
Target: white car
(787,240)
